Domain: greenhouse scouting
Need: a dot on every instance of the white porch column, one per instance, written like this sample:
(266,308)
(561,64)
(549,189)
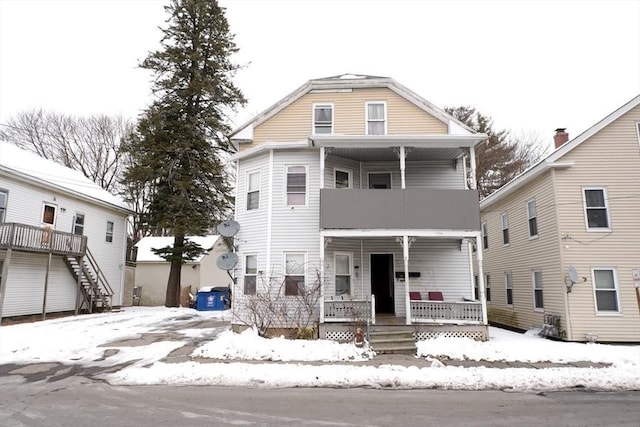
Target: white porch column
(472,160)
(269,216)
(322,238)
(402,167)
(322,155)
(405,250)
(482,296)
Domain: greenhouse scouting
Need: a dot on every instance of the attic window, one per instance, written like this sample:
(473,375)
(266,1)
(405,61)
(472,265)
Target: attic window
(323,119)
(376,118)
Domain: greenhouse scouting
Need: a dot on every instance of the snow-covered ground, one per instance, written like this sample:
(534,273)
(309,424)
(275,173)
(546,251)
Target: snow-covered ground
(248,360)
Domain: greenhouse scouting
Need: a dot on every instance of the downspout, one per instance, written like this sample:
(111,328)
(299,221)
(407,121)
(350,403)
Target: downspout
(405,251)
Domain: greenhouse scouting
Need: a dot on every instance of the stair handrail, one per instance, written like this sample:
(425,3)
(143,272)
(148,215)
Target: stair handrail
(100,277)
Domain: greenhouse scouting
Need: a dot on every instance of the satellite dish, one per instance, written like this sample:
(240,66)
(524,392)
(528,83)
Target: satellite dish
(572,274)
(228,228)
(227,261)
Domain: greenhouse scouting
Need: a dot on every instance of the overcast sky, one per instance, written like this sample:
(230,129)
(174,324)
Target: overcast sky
(531,65)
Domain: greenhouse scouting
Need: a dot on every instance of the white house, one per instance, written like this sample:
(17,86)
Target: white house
(152,271)
(359,184)
(62,238)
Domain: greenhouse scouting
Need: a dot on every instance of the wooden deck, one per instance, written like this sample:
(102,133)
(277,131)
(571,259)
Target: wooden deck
(28,238)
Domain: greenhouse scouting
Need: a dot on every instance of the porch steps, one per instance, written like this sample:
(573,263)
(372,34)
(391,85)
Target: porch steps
(399,341)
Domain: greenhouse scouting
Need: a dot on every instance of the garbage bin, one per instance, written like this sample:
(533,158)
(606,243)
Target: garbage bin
(217,298)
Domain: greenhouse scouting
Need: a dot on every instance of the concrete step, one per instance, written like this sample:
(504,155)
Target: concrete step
(395,348)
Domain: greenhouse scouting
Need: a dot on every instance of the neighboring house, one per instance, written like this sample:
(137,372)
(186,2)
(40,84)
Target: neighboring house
(152,272)
(62,238)
(359,185)
(562,240)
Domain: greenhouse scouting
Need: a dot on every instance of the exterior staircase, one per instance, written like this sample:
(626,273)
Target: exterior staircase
(94,287)
(397,340)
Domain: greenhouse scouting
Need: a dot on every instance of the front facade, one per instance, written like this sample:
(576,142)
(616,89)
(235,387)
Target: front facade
(56,228)
(356,187)
(152,271)
(562,238)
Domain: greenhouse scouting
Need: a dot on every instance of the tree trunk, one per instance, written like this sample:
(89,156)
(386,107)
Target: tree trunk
(172,298)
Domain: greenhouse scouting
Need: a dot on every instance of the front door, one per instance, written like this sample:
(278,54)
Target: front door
(382,282)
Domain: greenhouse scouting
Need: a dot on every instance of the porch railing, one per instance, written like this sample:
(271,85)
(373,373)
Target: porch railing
(38,239)
(446,312)
(349,310)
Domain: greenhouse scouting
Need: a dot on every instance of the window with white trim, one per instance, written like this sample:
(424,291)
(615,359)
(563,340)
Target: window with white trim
(538,302)
(78,224)
(606,290)
(379,180)
(376,118)
(250,274)
(505,228)
(342,178)
(109,234)
(487,287)
(48,214)
(296,185)
(475,286)
(323,118)
(294,276)
(4,195)
(532,218)
(596,211)
(342,273)
(508,284)
(253,190)
(485,236)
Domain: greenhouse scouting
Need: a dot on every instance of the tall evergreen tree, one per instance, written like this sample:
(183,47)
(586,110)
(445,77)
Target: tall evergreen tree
(500,158)
(180,142)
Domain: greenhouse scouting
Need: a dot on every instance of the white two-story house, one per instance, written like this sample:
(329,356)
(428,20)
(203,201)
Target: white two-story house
(357,185)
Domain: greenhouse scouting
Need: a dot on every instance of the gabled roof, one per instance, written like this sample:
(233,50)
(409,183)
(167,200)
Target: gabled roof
(146,244)
(344,81)
(46,173)
(553,160)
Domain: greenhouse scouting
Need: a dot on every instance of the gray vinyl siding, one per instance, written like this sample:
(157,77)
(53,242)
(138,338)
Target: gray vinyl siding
(334,162)
(25,204)
(433,174)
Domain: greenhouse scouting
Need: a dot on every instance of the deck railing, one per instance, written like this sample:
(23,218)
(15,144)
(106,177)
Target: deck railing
(39,239)
(446,312)
(349,310)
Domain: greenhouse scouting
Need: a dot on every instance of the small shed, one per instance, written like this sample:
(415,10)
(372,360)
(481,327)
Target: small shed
(152,272)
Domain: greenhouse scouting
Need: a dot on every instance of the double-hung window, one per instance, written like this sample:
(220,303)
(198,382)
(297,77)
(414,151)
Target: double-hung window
(487,287)
(109,234)
(376,118)
(296,185)
(250,274)
(596,209)
(508,284)
(294,273)
(78,224)
(606,290)
(485,236)
(532,218)
(322,118)
(538,303)
(343,274)
(4,195)
(342,178)
(253,190)
(505,228)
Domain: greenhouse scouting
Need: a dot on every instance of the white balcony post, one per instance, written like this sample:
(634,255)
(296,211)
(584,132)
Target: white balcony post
(483,298)
(322,155)
(472,160)
(322,277)
(402,167)
(405,251)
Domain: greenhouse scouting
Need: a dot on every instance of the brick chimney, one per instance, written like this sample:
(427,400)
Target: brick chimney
(560,137)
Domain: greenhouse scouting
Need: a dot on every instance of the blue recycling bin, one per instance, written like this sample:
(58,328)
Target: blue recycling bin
(218,298)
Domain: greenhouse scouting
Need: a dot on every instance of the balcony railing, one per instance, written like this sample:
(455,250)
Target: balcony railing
(38,239)
(349,310)
(446,312)
(399,209)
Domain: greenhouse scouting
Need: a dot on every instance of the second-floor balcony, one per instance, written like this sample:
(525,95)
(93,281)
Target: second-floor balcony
(23,237)
(399,209)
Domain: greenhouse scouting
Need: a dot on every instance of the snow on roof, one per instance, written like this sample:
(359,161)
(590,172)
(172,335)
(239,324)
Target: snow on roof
(30,165)
(146,244)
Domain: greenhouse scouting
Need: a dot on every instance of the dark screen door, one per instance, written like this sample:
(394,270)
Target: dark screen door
(382,282)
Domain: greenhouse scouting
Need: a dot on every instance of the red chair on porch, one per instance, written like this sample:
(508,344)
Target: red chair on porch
(415,296)
(435,296)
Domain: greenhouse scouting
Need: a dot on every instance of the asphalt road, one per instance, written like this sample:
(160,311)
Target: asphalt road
(76,400)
